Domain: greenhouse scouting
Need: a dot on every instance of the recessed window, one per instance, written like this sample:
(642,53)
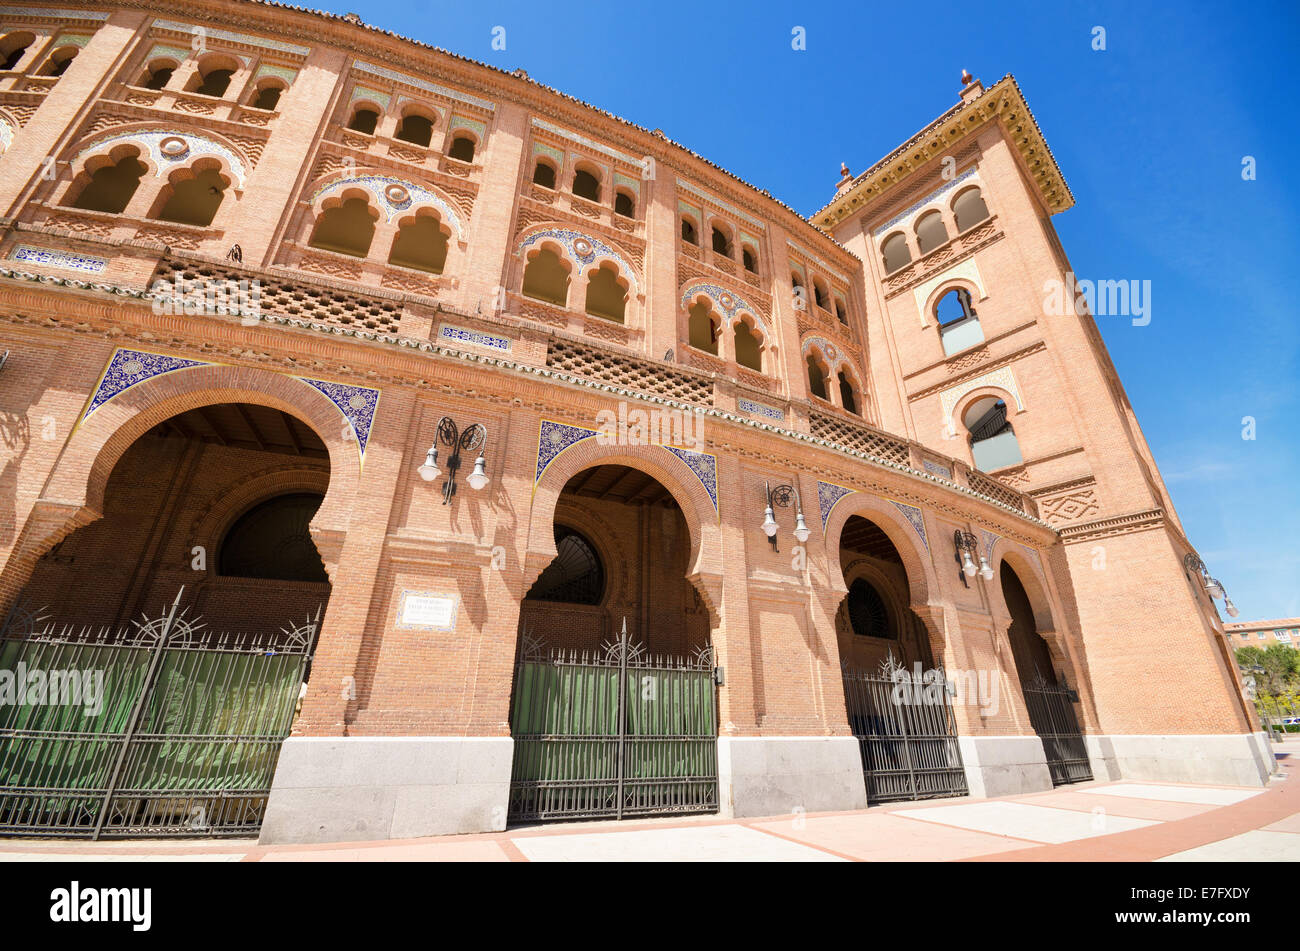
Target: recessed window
(576,574)
(896,253)
(462,148)
(13,47)
(848,395)
(703,328)
(969,209)
(749,352)
(930,232)
(689,234)
(364,120)
(195,200)
(420,244)
(416,129)
(268,97)
(111,186)
(544,175)
(347,228)
(586,185)
(606,294)
(749,260)
(272,540)
(992,439)
(60,61)
(215,83)
(721,242)
(959,328)
(868,615)
(816,378)
(624,205)
(546,278)
(158,78)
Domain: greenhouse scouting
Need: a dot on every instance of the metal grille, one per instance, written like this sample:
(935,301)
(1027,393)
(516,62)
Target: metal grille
(1051,711)
(906,733)
(184,740)
(612,733)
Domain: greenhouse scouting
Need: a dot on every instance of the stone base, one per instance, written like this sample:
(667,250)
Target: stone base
(348,789)
(779,775)
(1223,759)
(1004,765)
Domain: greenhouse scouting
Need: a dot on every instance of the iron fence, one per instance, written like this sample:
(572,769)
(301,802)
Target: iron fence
(1051,712)
(906,733)
(180,737)
(612,733)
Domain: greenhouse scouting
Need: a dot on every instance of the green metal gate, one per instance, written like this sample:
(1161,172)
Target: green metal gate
(612,733)
(163,728)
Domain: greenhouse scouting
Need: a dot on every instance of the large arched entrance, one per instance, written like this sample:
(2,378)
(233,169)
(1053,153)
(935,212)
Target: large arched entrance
(613,711)
(897,701)
(182,622)
(1049,699)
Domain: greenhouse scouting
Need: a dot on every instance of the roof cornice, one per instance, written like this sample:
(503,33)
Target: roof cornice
(1002,102)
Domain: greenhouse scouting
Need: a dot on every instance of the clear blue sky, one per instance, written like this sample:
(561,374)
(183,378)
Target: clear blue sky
(1150,134)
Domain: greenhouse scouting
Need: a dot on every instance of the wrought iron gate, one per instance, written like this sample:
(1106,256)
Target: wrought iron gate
(612,733)
(180,737)
(906,733)
(1051,712)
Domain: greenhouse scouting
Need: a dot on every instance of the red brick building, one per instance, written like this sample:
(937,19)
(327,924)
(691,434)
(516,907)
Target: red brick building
(1263,634)
(252,255)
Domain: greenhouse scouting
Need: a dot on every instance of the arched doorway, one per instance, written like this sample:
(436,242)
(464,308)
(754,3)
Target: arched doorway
(195,601)
(897,702)
(1049,699)
(613,709)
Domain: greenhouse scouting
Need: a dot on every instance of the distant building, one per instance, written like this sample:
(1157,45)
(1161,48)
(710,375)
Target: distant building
(1263,633)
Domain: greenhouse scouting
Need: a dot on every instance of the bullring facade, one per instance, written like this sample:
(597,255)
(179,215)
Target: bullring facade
(254,257)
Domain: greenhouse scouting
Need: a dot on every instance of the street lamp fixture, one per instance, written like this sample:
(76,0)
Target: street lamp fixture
(781,497)
(965,547)
(457,441)
(1193,565)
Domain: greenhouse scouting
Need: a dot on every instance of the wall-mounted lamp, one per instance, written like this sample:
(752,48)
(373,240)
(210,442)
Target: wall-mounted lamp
(781,497)
(474,436)
(965,546)
(1193,565)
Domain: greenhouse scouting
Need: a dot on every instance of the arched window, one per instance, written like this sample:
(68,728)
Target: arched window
(959,328)
(930,232)
(721,242)
(111,186)
(689,234)
(574,576)
(992,440)
(546,278)
(347,228)
(415,128)
(840,311)
(624,205)
(816,378)
(969,209)
(586,185)
(820,295)
(268,97)
(364,120)
(703,328)
(462,148)
(606,294)
(896,252)
(544,174)
(848,396)
(13,47)
(59,61)
(157,76)
(215,82)
(195,200)
(272,541)
(749,352)
(749,259)
(868,615)
(420,243)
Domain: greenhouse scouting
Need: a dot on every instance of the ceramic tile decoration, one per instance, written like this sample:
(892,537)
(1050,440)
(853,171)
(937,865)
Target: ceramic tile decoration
(190,147)
(936,469)
(62,14)
(582,249)
(705,467)
(65,260)
(459,335)
(826,268)
(396,195)
(243,39)
(752,408)
(356,403)
(914,518)
(719,203)
(126,368)
(422,84)
(585,142)
(987,541)
(828,496)
(381,99)
(552,439)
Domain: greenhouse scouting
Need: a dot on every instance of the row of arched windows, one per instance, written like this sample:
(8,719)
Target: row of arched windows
(108,183)
(212,77)
(930,230)
(722,241)
(821,296)
(15,46)
(415,124)
(586,184)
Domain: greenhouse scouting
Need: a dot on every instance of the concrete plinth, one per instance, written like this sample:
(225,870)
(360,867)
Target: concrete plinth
(1223,759)
(778,775)
(1004,765)
(342,789)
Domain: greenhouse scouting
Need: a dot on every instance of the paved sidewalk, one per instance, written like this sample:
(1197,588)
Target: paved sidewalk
(1085,822)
